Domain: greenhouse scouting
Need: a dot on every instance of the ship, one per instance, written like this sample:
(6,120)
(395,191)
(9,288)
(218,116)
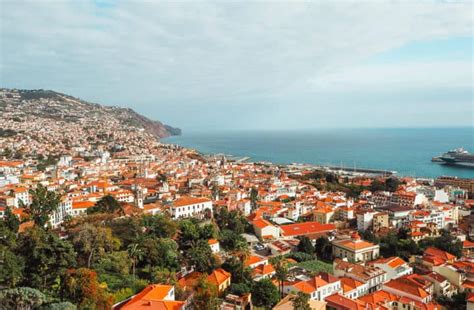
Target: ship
(457,157)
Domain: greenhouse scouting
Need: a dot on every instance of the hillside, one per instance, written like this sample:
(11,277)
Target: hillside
(43,123)
(52,105)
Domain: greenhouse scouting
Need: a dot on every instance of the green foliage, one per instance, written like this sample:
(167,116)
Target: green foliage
(205,297)
(59,306)
(234,243)
(107,204)
(445,242)
(306,246)
(11,272)
(300,301)
(300,256)
(117,262)
(43,204)
(240,289)
(394,245)
(11,220)
(390,185)
(161,252)
(122,294)
(22,298)
(316,266)
(456,302)
(93,242)
(265,294)
(160,226)
(323,248)
(46,258)
(239,273)
(127,229)
(232,220)
(200,256)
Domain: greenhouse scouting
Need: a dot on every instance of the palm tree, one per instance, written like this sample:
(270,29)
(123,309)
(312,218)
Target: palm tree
(281,272)
(136,254)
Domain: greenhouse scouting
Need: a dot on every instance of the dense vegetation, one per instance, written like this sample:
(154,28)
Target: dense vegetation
(329,181)
(105,258)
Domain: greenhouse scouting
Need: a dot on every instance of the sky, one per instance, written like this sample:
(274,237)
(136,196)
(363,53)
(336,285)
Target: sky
(218,65)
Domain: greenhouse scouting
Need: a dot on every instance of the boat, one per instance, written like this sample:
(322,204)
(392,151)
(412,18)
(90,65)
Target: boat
(457,157)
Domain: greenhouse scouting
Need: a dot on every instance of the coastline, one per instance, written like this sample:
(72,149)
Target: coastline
(391,151)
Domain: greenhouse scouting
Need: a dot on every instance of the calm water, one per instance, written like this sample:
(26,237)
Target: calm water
(407,151)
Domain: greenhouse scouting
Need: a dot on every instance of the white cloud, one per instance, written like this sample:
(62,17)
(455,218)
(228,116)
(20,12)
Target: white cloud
(144,52)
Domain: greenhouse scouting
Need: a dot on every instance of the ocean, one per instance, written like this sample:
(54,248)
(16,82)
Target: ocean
(407,151)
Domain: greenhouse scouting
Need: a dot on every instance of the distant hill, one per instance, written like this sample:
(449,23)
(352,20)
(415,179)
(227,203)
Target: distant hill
(57,106)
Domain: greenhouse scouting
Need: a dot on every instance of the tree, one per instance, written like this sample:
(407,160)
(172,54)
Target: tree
(205,297)
(207,231)
(300,301)
(200,256)
(136,254)
(11,271)
(107,204)
(234,243)
(253,198)
(323,248)
(81,287)
(127,229)
(306,246)
(11,220)
(265,294)
(188,233)
(90,241)
(160,226)
(239,273)
(43,204)
(21,298)
(161,252)
(46,258)
(281,272)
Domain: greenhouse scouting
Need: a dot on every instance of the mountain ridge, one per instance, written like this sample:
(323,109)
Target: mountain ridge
(55,105)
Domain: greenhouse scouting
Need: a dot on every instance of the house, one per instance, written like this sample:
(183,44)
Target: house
(355,249)
(442,287)
(214,245)
(220,278)
(353,288)
(265,230)
(186,207)
(413,286)
(253,261)
(373,276)
(153,296)
(263,271)
(318,287)
(234,302)
(395,267)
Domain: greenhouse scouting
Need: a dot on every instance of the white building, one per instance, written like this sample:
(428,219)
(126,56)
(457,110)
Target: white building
(395,267)
(186,207)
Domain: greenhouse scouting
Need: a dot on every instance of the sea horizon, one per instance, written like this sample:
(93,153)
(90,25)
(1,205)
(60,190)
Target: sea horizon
(406,150)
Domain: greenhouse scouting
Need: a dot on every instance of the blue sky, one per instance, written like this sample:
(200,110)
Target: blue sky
(250,65)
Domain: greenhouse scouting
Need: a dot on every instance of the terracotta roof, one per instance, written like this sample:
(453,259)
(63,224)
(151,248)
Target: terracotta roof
(340,302)
(186,201)
(152,297)
(306,228)
(261,223)
(218,276)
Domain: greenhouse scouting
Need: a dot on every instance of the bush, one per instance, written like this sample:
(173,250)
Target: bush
(300,256)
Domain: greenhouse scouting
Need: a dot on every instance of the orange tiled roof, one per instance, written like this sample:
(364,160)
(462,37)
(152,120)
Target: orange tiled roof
(306,228)
(152,297)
